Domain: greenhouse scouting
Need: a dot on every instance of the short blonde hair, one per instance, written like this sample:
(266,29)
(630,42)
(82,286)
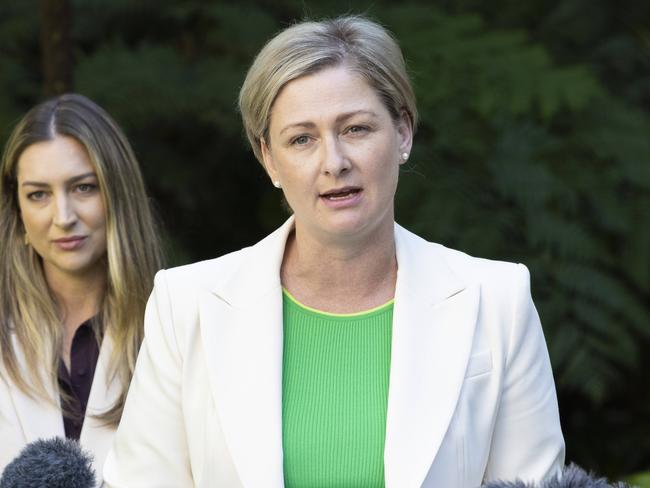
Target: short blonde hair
(308,47)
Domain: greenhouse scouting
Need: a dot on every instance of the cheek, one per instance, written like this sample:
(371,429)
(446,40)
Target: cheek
(298,177)
(386,171)
(100,224)
(95,214)
(33,220)
(100,220)
(97,222)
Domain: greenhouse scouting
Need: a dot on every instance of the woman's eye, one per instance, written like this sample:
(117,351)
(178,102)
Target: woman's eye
(36,195)
(357,129)
(300,140)
(86,187)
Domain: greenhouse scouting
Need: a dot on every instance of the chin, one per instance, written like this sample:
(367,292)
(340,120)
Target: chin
(78,268)
(352,228)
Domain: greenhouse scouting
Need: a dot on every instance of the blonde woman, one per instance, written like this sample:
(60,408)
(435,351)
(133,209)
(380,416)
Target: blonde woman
(342,350)
(78,252)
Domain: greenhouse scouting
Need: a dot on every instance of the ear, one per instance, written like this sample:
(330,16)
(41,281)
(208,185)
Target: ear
(267,158)
(404,133)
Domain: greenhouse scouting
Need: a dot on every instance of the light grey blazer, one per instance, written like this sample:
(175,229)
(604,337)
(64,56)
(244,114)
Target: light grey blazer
(471,393)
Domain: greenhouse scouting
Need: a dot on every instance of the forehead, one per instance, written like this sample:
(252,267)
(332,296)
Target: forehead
(325,95)
(59,158)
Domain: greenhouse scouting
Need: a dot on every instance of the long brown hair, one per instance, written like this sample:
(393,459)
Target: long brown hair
(28,311)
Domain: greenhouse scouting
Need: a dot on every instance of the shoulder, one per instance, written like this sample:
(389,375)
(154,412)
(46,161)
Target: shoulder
(506,317)
(233,276)
(203,274)
(436,273)
(176,292)
(469,270)
(496,278)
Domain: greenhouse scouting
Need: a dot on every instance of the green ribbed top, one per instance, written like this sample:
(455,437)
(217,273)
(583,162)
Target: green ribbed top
(334,396)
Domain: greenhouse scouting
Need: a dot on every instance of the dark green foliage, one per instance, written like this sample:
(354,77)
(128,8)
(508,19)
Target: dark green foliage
(529,160)
(20,75)
(534,146)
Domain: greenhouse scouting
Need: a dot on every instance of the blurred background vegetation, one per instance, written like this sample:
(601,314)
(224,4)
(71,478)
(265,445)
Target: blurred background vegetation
(534,147)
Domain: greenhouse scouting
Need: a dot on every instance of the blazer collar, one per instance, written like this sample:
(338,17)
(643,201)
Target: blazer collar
(416,259)
(259,273)
(242,331)
(434,318)
(96,435)
(422,270)
(41,418)
(38,418)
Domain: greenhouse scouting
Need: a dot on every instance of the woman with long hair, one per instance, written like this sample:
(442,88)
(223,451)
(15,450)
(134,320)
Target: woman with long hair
(342,350)
(78,253)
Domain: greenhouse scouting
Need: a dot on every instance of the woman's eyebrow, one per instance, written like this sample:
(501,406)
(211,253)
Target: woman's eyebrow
(306,125)
(339,118)
(348,115)
(69,180)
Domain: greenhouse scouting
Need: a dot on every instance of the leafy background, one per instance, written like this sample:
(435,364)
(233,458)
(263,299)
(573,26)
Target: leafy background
(534,147)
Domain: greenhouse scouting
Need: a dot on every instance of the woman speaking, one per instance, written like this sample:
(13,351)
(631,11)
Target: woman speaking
(78,251)
(342,350)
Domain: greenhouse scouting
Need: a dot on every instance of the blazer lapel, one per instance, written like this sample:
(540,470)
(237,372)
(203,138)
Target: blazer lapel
(39,418)
(433,326)
(96,436)
(241,329)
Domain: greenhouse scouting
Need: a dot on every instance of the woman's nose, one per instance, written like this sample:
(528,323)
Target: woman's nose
(335,161)
(64,212)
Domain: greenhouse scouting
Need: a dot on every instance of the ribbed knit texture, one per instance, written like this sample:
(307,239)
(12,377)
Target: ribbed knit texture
(334,396)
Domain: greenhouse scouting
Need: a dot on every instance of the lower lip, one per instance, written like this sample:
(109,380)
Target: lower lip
(70,245)
(349,201)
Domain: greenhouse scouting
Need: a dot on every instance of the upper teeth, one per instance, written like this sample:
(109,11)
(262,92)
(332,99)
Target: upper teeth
(339,195)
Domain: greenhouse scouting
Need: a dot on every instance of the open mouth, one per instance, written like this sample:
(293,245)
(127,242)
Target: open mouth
(341,194)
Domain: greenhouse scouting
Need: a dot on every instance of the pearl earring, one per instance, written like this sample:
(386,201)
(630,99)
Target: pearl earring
(26,239)
(277,184)
(405,156)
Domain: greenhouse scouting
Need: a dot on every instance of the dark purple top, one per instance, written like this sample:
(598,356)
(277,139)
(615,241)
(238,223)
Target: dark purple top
(76,383)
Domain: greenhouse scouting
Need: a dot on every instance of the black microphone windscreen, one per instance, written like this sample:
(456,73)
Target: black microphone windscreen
(52,463)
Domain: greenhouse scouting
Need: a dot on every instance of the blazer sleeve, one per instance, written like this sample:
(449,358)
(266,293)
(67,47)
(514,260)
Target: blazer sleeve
(150,447)
(527,441)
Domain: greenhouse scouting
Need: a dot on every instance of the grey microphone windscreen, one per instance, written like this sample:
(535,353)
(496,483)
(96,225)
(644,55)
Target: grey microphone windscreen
(51,463)
(573,476)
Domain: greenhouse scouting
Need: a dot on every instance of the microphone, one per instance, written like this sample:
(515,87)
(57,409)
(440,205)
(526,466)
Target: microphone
(51,463)
(572,476)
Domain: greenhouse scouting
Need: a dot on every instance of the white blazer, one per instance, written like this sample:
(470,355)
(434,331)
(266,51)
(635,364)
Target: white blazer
(471,393)
(24,419)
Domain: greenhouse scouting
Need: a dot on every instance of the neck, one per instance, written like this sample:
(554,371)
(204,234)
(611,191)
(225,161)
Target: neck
(341,276)
(78,296)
